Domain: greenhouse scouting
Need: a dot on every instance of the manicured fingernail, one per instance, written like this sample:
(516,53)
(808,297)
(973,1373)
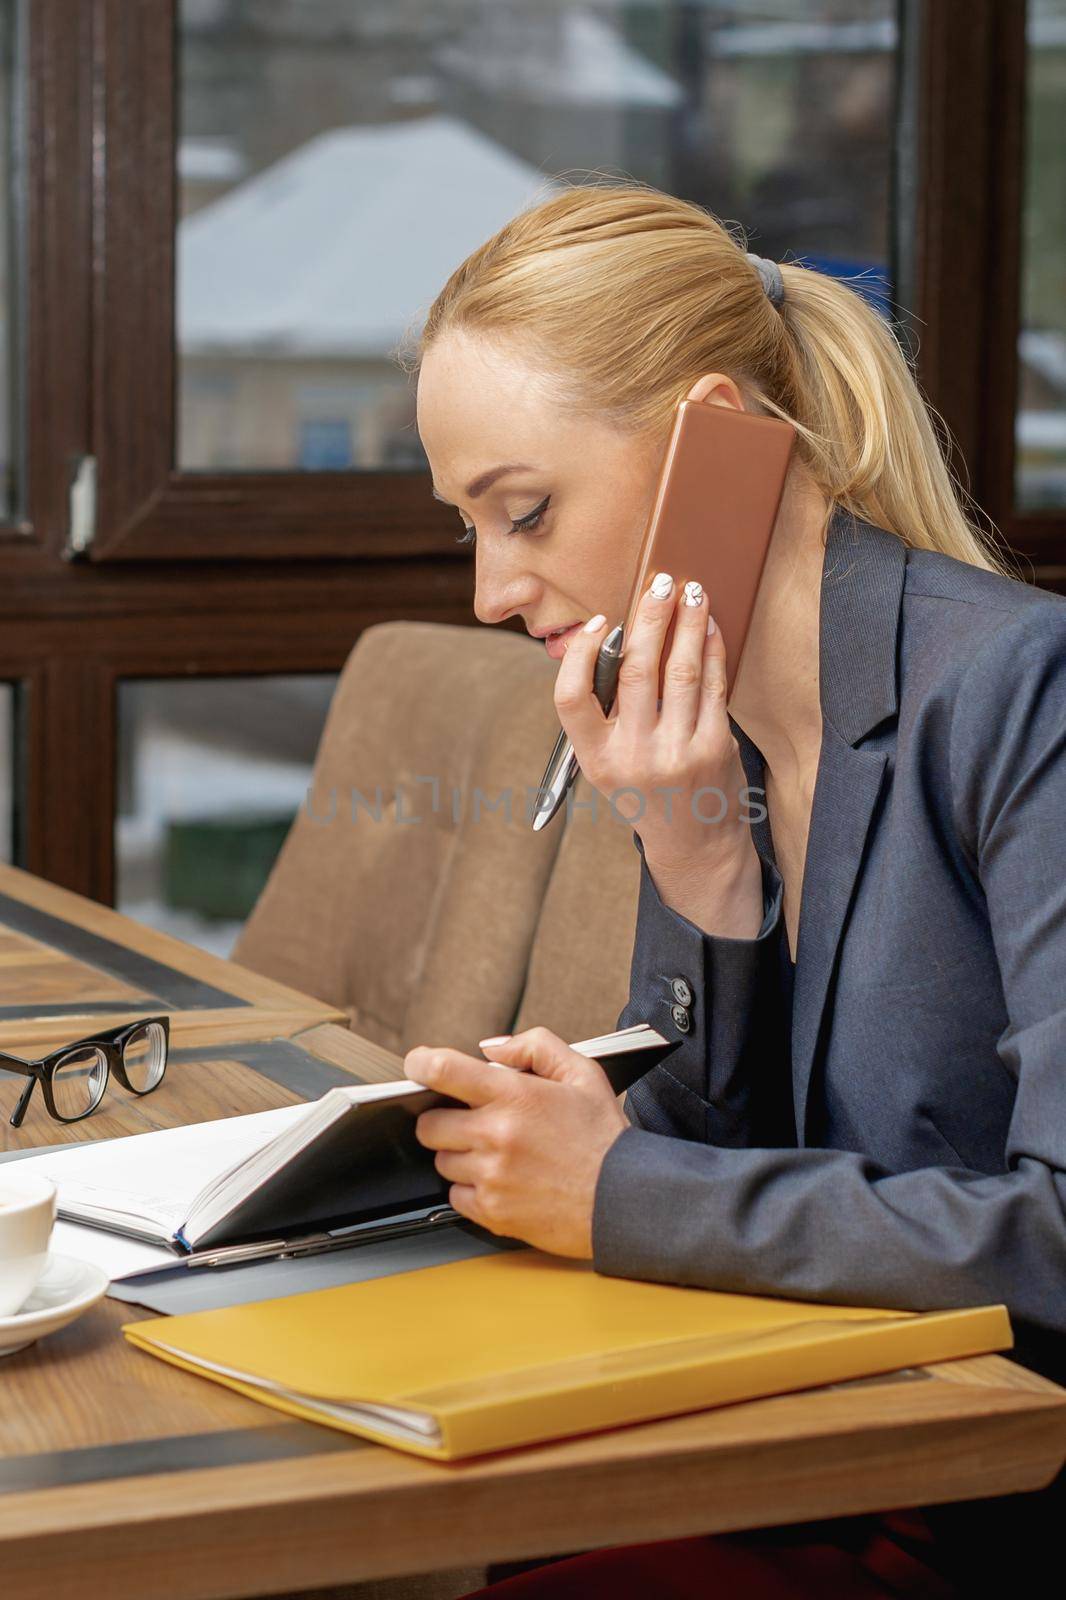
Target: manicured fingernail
(501,1038)
(693,594)
(661,585)
(593,625)
(710,624)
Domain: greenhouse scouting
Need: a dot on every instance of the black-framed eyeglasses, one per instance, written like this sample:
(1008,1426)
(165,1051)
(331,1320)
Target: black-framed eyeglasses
(74,1078)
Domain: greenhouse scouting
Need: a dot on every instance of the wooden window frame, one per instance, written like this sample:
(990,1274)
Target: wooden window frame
(1039,534)
(964,262)
(964,62)
(71,628)
(146,507)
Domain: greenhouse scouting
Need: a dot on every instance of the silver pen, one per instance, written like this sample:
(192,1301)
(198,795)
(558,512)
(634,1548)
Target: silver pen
(234,1255)
(562,766)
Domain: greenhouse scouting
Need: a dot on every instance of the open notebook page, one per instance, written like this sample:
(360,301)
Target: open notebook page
(157,1175)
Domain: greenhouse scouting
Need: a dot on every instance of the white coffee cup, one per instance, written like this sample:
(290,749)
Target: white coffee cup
(27,1216)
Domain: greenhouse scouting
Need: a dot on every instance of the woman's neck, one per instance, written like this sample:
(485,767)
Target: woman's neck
(775,696)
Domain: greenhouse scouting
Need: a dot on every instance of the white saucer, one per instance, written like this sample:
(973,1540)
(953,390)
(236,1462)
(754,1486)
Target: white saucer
(65,1289)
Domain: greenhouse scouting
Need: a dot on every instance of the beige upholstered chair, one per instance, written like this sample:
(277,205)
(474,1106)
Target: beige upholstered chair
(411,890)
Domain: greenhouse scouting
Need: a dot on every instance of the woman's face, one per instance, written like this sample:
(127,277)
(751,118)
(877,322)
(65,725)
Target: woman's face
(558,534)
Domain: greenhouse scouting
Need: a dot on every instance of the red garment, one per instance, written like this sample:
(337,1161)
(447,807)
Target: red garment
(851,1558)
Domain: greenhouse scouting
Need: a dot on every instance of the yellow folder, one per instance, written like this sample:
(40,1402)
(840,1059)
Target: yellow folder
(515,1348)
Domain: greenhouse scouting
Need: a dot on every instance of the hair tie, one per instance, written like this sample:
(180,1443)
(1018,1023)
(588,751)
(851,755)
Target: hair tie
(772,281)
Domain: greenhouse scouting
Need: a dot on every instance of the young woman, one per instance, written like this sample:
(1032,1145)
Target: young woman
(868,1104)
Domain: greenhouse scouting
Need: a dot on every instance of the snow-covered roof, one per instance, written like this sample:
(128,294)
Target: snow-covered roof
(1045,351)
(339,247)
(209,161)
(595,65)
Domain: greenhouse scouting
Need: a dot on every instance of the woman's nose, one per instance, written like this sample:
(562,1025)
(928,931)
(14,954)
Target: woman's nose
(499,595)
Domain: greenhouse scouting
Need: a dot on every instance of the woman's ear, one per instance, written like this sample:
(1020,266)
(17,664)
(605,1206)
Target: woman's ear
(717,390)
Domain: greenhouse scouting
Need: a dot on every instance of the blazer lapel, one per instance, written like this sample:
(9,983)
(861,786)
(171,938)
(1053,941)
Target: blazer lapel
(845,796)
(862,585)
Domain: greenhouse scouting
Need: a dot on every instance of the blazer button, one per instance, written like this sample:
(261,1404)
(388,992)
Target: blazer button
(682,1020)
(681,992)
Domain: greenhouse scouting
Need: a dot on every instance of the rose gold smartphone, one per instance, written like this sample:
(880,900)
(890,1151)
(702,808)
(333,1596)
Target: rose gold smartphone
(719,494)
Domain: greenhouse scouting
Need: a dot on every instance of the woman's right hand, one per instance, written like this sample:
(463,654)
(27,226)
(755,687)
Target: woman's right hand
(674,772)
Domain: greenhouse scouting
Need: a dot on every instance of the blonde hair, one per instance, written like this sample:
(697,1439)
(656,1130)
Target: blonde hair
(619,296)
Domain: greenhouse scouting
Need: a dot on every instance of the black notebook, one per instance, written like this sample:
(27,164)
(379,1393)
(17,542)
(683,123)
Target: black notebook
(348,1158)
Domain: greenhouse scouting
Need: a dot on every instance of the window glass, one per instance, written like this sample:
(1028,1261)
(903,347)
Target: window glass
(337,159)
(1040,456)
(211,772)
(11,193)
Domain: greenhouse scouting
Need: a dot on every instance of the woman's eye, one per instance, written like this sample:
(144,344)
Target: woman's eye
(524,524)
(520,524)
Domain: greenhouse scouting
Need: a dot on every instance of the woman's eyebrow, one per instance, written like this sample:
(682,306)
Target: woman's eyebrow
(483,484)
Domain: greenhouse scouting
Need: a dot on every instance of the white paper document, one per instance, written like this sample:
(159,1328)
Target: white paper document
(111,1252)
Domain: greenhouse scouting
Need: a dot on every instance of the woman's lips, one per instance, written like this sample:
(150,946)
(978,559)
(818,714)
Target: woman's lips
(555,643)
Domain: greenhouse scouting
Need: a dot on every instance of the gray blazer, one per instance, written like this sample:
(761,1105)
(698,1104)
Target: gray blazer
(886,1124)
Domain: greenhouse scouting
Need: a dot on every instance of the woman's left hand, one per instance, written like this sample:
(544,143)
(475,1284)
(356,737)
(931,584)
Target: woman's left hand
(525,1159)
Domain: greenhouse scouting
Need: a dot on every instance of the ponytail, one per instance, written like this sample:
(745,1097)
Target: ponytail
(872,443)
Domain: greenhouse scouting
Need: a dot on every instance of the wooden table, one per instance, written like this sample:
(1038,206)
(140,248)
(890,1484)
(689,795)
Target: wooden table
(68,965)
(122,1476)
